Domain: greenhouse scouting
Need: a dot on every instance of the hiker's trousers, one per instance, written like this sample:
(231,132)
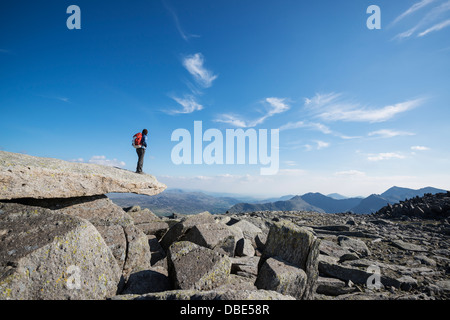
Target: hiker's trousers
(140,152)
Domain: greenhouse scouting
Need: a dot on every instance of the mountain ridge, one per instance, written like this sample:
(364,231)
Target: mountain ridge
(296,203)
(330,205)
(370,204)
(191,202)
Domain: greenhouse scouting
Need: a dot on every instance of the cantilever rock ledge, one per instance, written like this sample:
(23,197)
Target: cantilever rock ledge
(24,176)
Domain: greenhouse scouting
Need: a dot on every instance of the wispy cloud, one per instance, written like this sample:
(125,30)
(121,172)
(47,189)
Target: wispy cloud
(333,107)
(357,114)
(318,145)
(305,124)
(293,125)
(350,173)
(315,126)
(430,19)
(291,172)
(278,105)
(419,148)
(322,144)
(234,120)
(274,106)
(189,104)
(194,64)
(436,27)
(290,163)
(102,160)
(63,99)
(415,7)
(185,35)
(385,156)
(406,34)
(56,97)
(388,133)
(322,99)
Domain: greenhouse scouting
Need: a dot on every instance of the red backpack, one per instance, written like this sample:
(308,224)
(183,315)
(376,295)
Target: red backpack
(137,140)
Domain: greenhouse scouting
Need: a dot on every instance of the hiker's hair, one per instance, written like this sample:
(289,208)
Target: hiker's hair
(145,131)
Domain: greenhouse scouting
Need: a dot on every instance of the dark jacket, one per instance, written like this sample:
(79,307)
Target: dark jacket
(144,141)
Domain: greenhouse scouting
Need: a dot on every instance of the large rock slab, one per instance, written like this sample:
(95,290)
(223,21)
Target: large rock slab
(332,249)
(280,276)
(333,287)
(249,230)
(127,242)
(295,245)
(192,266)
(215,236)
(148,222)
(24,176)
(407,246)
(354,245)
(244,248)
(147,281)
(245,266)
(329,267)
(178,230)
(158,254)
(138,251)
(51,256)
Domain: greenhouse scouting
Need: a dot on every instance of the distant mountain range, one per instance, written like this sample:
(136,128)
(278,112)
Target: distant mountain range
(294,204)
(336,204)
(176,201)
(192,202)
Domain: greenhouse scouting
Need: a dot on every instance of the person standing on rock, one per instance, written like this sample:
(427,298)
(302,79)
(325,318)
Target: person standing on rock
(141,151)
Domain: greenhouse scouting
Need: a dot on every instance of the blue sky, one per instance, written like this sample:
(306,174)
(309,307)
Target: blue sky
(358,110)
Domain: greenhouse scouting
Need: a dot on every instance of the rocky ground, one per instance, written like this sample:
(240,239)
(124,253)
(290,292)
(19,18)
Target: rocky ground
(368,257)
(408,258)
(412,254)
(80,245)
